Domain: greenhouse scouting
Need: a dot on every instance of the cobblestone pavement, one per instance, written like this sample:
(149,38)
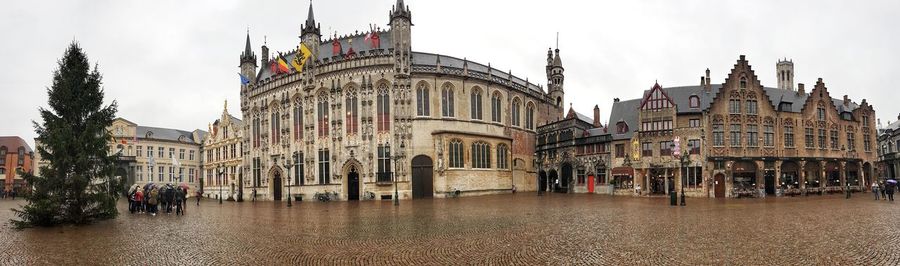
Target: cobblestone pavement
(522,229)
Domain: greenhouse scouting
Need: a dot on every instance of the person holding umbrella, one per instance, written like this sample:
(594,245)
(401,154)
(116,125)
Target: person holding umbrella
(889,189)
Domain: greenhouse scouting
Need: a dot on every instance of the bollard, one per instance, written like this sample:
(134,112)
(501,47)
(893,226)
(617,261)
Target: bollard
(672,198)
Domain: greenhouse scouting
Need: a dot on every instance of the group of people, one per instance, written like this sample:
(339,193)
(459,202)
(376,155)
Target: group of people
(885,189)
(10,193)
(148,199)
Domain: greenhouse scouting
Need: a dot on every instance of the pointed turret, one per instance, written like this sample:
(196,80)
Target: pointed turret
(400,10)
(310,26)
(555,79)
(248,56)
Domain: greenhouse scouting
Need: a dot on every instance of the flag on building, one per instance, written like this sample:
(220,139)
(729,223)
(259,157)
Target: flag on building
(300,59)
(282,65)
(175,161)
(244,79)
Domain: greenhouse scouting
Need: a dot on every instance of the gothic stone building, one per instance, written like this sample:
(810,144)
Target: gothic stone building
(366,110)
(737,139)
(221,151)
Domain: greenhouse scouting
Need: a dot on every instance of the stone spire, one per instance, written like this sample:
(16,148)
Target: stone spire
(248,56)
(401,10)
(310,26)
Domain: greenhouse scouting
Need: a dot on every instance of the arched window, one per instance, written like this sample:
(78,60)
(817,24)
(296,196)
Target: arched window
(383,106)
(502,156)
(475,104)
(456,153)
(820,112)
(447,101)
(352,120)
(298,121)
(256,132)
(322,115)
(481,155)
(529,116)
(495,107)
(275,125)
(423,107)
(515,112)
(695,101)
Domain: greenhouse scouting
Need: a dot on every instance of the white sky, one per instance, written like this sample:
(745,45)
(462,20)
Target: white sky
(173,63)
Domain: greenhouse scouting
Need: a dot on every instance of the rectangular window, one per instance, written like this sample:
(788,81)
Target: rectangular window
(171,153)
(324,167)
(718,135)
(734,106)
(191,155)
(752,135)
(139,151)
(834,140)
(810,139)
(502,160)
(769,137)
(384,111)
(751,107)
(161,152)
(694,145)
(171,174)
(647,149)
(384,164)
(601,176)
(821,138)
(352,115)
(298,169)
(323,118)
(257,174)
(190,175)
(665,148)
(867,142)
(788,137)
(181,154)
(735,135)
(140,173)
(620,150)
(692,177)
(694,123)
(180,174)
(579,176)
(162,173)
(851,142)
(149,151)
(719,165)
(298,122)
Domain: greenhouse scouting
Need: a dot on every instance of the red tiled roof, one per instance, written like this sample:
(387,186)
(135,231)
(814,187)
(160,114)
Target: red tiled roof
(13,143)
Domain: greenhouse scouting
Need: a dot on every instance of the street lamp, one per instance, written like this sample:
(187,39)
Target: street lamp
(240,184)
(539,160)
(288,164)
(221,171)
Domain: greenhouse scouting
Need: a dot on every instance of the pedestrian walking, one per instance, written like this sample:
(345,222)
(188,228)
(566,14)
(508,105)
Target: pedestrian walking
(891,186)
(13,194)
(875,189)
(254,194)
(883,190)
(199,193)
(179,201)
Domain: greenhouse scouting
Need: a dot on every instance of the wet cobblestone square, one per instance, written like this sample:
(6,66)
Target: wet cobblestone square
(521,229)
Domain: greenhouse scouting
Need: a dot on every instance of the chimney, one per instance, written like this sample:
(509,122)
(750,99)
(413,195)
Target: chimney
(800,89)
(702,82)
(596,116)
(615,100)
(708,86)
(846,100)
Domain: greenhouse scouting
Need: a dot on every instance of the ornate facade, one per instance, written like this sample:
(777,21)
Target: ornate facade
(222,157)
(367,115)
(738,139)
(15,158)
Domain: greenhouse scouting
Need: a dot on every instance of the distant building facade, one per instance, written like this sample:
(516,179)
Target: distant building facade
(733,139)
(889,150)
(367,111)
(15,158)
(153,155)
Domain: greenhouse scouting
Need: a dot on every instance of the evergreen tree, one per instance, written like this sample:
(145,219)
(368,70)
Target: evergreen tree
(77,186)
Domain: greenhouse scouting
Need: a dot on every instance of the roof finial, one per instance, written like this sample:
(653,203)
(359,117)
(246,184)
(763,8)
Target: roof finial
(557,40)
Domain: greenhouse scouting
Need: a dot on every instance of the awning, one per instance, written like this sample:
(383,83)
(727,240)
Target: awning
(623,171)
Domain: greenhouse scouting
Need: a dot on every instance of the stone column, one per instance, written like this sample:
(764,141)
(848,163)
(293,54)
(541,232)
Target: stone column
(843,171)
(822,184)
(777,176)
(802,172)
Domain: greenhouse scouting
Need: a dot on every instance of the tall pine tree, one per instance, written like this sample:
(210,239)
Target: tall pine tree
(77,184)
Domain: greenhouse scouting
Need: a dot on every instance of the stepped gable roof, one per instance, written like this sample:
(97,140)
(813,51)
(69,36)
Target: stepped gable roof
(167,134)
(681,97)
(429,59)
(12,144)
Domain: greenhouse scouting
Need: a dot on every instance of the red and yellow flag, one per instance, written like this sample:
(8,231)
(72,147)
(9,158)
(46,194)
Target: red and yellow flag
(282,66)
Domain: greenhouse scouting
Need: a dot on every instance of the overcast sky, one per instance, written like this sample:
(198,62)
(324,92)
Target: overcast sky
(173,63)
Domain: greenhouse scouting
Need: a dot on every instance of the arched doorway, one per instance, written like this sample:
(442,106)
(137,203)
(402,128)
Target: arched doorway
(566,176)
(422,177)
(790,175)
(353,183)
(276,186)
(868,175)
(812,175)
(852,173)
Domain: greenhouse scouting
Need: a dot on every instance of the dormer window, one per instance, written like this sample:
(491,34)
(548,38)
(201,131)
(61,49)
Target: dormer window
(694,101)
(785,107)
(846,116)
(621,128)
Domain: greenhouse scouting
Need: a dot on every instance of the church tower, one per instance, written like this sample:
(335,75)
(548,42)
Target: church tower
(248,63)
(555,79)
(785,74)
(401,25)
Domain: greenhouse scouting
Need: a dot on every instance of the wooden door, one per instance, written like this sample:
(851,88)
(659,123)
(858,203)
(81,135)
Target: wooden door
(720,186)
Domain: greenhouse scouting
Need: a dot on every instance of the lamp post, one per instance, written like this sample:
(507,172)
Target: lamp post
(240,185)
(221,172)
(539,160)
(287,164)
